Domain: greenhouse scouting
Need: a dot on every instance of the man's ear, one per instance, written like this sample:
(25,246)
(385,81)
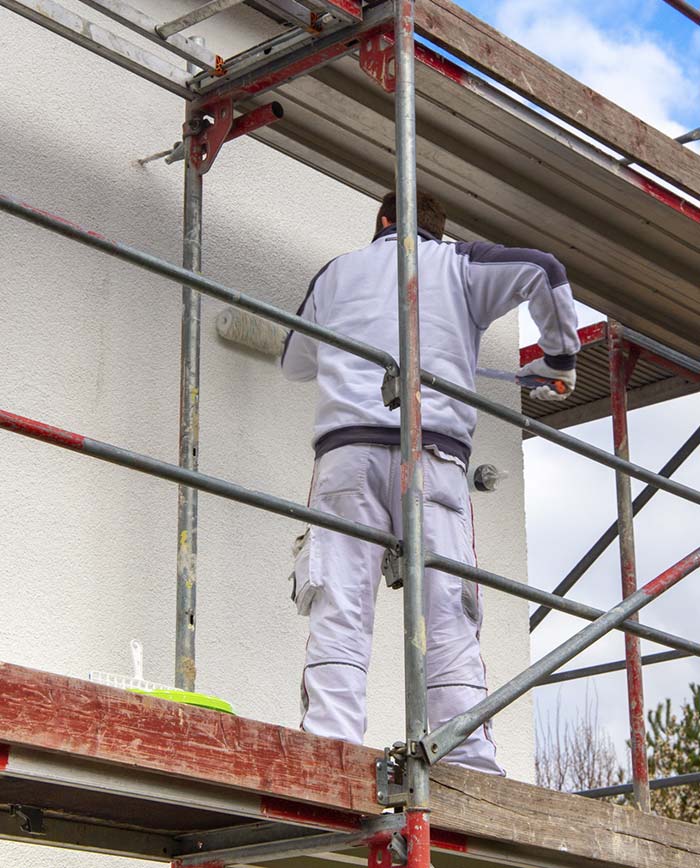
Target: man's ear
(385,221)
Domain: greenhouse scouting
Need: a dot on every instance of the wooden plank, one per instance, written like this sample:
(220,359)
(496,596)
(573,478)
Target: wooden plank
(296,773)
(466,37)
(543,820)
(52,712)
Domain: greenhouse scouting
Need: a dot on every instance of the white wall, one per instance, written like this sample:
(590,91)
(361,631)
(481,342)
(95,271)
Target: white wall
(92,345)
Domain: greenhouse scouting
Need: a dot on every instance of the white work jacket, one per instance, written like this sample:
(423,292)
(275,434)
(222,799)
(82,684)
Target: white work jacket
(463,288)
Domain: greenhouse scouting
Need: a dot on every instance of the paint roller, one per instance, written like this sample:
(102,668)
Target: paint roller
(248,330)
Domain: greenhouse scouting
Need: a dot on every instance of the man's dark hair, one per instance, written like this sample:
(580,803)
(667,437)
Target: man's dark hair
(431,214)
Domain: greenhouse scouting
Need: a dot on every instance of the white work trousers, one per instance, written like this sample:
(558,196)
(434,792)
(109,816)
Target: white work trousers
(336,579)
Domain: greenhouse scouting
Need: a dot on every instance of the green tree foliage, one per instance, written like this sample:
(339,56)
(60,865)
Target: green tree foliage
(673,742)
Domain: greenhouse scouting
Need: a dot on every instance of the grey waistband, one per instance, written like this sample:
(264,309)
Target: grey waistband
(380,436)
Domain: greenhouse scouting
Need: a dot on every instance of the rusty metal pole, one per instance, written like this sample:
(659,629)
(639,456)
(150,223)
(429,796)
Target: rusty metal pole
(418,782)
(185,618)
(619,376)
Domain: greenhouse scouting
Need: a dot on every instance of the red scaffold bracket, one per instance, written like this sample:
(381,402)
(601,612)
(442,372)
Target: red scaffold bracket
(377,60)
(207,137)
(206,129)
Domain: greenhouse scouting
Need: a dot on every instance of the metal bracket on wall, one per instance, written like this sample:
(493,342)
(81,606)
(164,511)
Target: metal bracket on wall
(207,137)
(207,128)
(377,60)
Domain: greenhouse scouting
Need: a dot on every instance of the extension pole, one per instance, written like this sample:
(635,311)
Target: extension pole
(619,376)
(417,770)
(190,340)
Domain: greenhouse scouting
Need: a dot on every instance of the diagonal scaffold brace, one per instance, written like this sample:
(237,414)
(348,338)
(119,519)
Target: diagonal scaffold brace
(446,737)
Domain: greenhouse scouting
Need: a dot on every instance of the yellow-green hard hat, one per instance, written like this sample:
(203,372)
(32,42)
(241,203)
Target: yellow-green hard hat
(200,699)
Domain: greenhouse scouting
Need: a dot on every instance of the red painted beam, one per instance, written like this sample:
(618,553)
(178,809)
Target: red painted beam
(262,116)
(440,839)
(51,712)
(674,368)
(685,9)
(619,375)
(591,334)
(293,812)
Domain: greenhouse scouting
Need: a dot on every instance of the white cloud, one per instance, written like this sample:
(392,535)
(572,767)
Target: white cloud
(629,67)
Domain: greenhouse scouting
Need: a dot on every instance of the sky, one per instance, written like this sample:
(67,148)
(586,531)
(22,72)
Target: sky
(645,56)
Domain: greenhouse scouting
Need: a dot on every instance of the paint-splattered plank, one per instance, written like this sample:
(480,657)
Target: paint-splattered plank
(466,37)
(300,776)
(52,712)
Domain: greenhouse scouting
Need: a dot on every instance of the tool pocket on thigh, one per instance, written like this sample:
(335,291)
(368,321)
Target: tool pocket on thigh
(444,482)
(471,601)
(341,471)
(303,588)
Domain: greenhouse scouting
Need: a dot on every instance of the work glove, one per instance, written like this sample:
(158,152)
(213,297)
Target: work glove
(540,368)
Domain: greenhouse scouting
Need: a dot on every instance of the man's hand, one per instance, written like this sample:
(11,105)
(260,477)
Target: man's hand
(540,368)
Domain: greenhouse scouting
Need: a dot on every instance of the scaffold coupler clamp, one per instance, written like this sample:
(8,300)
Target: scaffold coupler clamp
(391,389)
(391,777)
(31,819)
(392,568)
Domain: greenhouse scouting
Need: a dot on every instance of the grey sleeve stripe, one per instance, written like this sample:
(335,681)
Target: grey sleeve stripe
(555,306)
(300,311)
(484,252)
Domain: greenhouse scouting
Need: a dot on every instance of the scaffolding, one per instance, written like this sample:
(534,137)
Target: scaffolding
(43,718)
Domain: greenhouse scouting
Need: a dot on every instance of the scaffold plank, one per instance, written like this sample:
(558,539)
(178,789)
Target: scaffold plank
(67,734)
(102,42)
(465,36)
(52,712)
(542,820)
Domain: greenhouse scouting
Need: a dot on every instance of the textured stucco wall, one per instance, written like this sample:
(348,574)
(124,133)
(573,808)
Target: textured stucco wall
(92,344)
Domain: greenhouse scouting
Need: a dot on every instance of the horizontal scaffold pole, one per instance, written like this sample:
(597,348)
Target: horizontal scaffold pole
(446,737)
(194,479)
(196,281)
(614,666)
(562,604)
(372,354)
(104,43)
(231,491)
(573,444)
(658,784)
(601,544)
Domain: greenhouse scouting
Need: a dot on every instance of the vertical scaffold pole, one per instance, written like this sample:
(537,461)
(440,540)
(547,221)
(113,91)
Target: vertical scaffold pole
(417,827)
(619,376)
(185,667)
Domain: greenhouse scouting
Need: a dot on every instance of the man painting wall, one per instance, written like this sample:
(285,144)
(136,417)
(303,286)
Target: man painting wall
(464,287)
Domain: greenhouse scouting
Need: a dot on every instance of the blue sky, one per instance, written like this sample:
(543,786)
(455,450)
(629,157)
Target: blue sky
(645,56)
(641,53)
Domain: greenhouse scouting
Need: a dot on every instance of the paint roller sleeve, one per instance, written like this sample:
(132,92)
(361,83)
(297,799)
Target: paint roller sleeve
(249,330)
